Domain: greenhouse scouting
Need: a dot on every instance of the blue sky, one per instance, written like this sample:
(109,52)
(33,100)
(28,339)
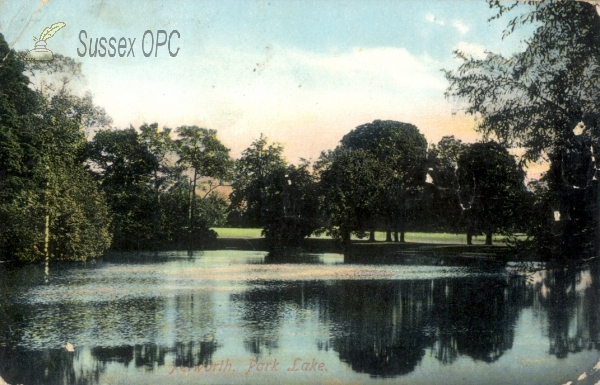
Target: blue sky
(304,73)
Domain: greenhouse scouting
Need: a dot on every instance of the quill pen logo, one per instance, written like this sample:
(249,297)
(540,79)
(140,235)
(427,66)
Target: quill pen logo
(40,52)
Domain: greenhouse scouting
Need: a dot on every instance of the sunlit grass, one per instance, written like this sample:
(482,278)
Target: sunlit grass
(225,232)
(230,232)
(440,238)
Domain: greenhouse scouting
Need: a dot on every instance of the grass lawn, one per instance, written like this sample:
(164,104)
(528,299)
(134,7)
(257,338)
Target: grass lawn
(379,236)
(440,238)
(230,232)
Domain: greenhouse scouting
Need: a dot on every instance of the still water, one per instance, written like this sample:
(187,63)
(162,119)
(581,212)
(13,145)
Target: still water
(230,317)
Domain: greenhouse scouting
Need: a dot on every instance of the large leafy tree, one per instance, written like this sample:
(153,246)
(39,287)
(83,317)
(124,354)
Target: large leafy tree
(563,208)
(148,191)
(393,171)
(50,208)
(209,160)
(250,182)
(210,212)
(445,210)
(290,204)
(347,190)
(490,190)
(542,98)
(125,168)
(161,149)
(268,193)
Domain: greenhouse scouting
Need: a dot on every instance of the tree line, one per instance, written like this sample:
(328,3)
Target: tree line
(68,194)
(383,177)
(64,196)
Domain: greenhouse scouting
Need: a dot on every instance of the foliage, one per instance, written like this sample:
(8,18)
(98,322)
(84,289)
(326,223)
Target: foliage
(536,98)
(160,147)
(257,162)
(50,207)
(290,204)
(175,225)
(542,98)
(270,194)
(377,171)
(124,168)
(200,149)
(213,210)
(347,193)
(564,205)
(154,202)
(444,208)
(491,190)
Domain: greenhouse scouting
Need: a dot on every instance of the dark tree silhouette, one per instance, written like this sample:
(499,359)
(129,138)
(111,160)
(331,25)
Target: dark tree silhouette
(543,97)
(491,190)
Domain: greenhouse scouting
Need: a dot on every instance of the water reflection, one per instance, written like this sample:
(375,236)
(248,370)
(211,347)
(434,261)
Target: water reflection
(57,366)
(52,366)
(383,328)
(569,300)
(381,325)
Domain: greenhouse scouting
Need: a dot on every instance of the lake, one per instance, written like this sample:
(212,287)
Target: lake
(229,317)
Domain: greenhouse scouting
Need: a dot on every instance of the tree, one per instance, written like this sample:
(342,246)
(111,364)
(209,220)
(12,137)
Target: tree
(443,166)
(154,203)
(491,190)
(563,218)
(50,208)
(542,98)
(249,185)
(200,149)
(280,198)
(213,210)
(160,148)
(175,224)
(393,171)
(124,168)
(290,204)
(347,192)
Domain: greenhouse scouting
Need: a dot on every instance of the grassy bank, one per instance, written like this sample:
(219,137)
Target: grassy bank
(381,252)
(445,238)
(432,248)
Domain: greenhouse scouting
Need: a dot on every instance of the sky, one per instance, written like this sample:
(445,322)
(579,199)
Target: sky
(303,73)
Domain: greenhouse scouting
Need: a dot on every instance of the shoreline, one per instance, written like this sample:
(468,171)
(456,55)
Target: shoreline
(362,251)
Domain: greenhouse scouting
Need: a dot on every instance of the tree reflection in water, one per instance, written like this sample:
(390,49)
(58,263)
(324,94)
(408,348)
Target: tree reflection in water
(264,306)
(383,328)
(189,354)
(389,329)
(381,325)
(190,328)
(52,366)
(570,299)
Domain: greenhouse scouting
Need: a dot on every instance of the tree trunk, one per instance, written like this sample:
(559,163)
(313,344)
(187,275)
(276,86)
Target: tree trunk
(388,235)
(488,238)
(469,237)
(372,236)
(346,239)
(402,219)
(191,208)
(156,213)
(47,247)
(597,240)
(395,235)
(47,238)
(402,231)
